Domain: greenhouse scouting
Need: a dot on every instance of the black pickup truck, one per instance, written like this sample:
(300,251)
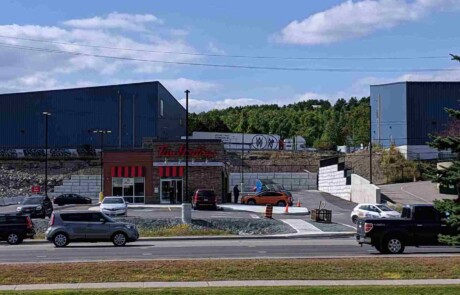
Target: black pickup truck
(419,225)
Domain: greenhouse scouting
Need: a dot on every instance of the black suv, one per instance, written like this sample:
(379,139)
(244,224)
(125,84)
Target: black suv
(15,228)
(36,206)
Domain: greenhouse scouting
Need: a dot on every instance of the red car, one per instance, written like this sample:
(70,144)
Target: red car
(204,198)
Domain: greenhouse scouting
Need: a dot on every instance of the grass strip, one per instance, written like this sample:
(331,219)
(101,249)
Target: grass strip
(403,290)
(212,270)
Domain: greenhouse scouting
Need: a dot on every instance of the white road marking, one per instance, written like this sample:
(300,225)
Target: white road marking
(409,193)
(254,216)
(301,226)
(146,254)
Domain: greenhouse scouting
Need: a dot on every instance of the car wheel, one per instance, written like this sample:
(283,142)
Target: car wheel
(251,202)
(119,239)
(60,240)
(393,245)
(281,204)
(13,239)
(354,219)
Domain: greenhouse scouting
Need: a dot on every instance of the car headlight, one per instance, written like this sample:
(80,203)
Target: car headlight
(19,209)
(39,208)
(130,226)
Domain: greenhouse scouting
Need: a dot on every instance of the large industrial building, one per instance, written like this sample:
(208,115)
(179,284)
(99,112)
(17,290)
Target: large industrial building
(132,112)
(405,113)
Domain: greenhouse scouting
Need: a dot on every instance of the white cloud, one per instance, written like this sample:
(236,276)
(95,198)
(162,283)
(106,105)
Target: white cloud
(53,69)
(115,20)
(181,84)
(355,19)
(214,49)
(202,105)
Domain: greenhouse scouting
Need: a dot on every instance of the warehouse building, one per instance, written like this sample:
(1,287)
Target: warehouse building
(132,112)
(405,113)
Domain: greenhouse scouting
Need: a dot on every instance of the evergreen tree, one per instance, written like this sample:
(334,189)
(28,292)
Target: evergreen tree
(449,176)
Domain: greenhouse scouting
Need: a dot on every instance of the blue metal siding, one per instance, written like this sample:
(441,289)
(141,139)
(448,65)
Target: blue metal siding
(391,128)
(76,112)
(172,123)
(425,104)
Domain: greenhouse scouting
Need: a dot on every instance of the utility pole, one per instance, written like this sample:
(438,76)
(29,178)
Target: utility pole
(101,133)
(186,206)
(370,142)
(242,150)
(46,114)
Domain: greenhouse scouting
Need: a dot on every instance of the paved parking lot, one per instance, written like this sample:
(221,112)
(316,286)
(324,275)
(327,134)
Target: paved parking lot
(340,209)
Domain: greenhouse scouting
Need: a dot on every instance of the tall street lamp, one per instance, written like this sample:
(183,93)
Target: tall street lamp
(186,206)
(370,143)
(242,151)
(46,114)
(101,133)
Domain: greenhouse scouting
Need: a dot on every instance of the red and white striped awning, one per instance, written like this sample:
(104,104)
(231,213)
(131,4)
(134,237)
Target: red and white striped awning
(127,171)
(171,171)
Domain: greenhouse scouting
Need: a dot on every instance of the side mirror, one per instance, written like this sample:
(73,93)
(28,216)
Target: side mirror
(103,220)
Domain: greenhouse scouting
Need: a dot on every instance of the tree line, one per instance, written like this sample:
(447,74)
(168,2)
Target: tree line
(323,125)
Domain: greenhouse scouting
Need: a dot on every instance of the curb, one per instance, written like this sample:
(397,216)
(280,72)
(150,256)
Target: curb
(209,284)
(211,238)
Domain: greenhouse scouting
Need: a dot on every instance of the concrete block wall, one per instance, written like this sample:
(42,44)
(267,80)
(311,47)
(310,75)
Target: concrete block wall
(291,181)
(84,185)
(362,191)
(334,181)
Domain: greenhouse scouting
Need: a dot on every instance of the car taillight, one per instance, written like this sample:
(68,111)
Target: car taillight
(29,223)
(52,220)
(368,227)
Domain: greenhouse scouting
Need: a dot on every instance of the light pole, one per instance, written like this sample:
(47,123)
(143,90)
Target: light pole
(46,114)
(101,133)
(242,151)
(186,206)
(370,143)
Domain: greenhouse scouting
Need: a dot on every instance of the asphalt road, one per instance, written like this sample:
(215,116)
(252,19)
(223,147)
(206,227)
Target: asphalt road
(200,249)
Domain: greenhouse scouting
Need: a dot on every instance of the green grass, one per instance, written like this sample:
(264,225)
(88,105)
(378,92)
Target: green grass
(181,230)
(429,290)
(212,270)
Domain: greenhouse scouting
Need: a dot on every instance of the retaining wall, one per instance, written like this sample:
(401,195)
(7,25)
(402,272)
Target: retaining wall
(290,181)
(362,191)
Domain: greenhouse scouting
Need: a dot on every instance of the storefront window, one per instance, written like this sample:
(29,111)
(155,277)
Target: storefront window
(132,189)
(117,186)
(139,187)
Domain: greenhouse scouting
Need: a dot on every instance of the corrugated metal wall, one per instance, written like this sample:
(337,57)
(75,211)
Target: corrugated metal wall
(76,112)
(425,104)
(388,103)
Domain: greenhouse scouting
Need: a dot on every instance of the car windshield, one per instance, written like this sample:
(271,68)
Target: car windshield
(384,208)
(206,193)
(32,201)
(113,201)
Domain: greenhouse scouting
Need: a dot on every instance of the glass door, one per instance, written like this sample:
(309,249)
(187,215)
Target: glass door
(171,191)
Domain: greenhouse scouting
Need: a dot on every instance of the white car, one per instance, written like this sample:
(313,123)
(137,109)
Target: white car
(114,206)
(373,211)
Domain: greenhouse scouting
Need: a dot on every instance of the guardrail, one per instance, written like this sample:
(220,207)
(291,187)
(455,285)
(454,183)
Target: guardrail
(7,201)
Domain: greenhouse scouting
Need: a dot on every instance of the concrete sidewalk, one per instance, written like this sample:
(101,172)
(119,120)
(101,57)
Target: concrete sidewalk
(206,284)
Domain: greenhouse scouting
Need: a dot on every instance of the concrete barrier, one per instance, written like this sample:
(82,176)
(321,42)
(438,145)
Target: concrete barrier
(362,191)
(8,201)
(2,202)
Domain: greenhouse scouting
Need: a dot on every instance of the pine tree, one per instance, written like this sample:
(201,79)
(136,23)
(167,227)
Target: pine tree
(449,176)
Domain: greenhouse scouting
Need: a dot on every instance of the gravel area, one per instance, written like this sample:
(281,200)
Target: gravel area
(331,227)
(248,226)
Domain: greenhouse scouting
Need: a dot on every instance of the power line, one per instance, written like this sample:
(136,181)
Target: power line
(229,55)
(343,70)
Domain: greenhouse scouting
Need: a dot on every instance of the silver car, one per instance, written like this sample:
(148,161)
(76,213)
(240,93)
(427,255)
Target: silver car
(85,226)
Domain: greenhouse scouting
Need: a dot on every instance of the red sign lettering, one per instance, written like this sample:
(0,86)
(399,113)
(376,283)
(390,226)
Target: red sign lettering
(200,152)
(35,189)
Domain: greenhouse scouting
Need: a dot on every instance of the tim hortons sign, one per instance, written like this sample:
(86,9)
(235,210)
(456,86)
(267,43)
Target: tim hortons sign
(166,150)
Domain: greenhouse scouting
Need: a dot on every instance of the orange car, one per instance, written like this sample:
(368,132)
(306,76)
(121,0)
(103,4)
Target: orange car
(263,198)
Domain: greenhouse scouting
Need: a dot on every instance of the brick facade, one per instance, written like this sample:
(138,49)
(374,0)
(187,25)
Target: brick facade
(206,168)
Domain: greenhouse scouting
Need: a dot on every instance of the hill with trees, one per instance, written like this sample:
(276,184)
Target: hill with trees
(323,125)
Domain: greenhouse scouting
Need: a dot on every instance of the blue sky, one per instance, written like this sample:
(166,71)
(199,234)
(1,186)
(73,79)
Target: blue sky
(290,28)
